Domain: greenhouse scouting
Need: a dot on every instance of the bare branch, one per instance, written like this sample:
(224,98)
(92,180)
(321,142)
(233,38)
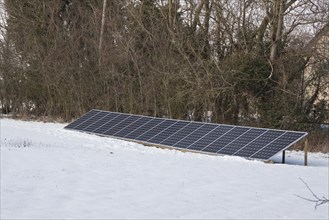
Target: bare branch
(318,201)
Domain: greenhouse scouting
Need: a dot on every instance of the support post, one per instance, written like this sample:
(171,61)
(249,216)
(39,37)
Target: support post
(283,156)
(305,151)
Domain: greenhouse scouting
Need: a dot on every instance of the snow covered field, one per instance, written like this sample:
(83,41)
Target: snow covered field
(48,172)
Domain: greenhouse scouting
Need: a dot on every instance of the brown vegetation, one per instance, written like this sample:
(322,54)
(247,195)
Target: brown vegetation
(318,141)
(242,60)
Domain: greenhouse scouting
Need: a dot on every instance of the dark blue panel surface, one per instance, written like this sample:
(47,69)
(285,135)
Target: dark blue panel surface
(82,119)
(210,137)
(168,132)
(122,124)
(155,130)
(181,134)
(106,122)
(90,121)
(258,143)
(144,128)
(187,141)
(277,145)
(225,139)
(105,118)
(241,141)
(133,126)
(114,122)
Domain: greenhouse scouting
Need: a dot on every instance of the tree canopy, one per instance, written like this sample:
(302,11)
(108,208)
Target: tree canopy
(243,61)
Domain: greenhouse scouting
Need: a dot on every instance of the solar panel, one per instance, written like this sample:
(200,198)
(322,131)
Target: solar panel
(155,130)
(138,131)
(130,128)
(168,132)
(88,122)
(82,119)
(242,141)
(248,142)
(104,125)
(225,140)
(213,135)
(182,133)
(261,141)
(187,141)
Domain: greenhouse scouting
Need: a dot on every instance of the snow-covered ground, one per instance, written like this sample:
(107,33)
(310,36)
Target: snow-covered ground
(48,172)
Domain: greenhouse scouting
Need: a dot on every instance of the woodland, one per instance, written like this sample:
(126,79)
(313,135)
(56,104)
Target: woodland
(225,61)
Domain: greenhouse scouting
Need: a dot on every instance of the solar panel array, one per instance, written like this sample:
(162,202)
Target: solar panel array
(248,142)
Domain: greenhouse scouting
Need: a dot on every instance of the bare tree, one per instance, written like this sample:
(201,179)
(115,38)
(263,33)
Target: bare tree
(236,59)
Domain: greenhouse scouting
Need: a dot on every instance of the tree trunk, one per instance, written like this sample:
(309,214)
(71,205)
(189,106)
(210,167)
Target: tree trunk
(277,28)
(170,14)
(102,31)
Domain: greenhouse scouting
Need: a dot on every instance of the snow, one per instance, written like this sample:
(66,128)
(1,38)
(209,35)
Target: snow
(48,172)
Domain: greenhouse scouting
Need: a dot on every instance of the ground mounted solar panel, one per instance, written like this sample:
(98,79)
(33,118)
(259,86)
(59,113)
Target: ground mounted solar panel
(248,142)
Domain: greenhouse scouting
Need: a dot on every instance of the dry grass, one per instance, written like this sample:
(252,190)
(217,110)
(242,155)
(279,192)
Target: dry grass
(318,141)
(25,117)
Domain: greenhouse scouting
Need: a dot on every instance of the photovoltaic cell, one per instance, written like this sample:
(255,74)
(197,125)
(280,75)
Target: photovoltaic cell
(82,119)
(124,124)
(226,139)
(133,126)
(155,130)
(248,142)
(168,132)
(187,141)
(262,140)
(144,128)
(213,135)
(179,135)
(114,122)
(98,121)
(125,121)
(90,121)
(105,123)
(284,140)
(241,141)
